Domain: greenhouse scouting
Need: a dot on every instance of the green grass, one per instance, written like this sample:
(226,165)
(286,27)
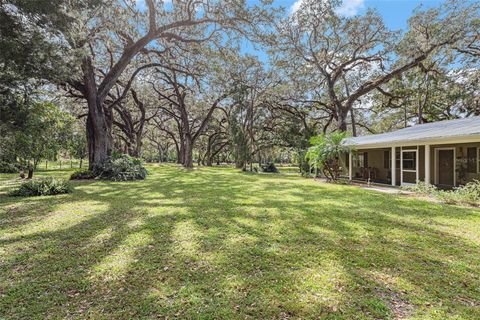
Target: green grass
(215,243)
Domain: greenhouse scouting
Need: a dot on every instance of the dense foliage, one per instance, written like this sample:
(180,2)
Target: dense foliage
(326,154)
(82,174)
(468,194)
(269,168)
(42,187)
(121,167)
(163,80)
(6,167)
(33,130)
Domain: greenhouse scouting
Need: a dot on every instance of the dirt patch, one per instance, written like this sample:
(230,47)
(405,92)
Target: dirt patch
(400,308)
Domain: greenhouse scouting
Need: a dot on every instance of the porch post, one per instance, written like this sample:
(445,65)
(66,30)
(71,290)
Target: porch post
(401,165)
(393,167)
(417,165)
(427,164)
(350,162)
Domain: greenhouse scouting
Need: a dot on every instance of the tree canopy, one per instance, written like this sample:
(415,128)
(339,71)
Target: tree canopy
(173,81)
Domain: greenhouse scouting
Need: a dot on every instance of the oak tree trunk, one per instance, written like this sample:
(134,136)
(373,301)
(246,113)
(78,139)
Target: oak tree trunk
(342,123)
(98,133)
(180,152)
(188,152)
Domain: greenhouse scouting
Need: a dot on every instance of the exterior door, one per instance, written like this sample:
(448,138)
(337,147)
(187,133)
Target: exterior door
(409,167)
(446,167)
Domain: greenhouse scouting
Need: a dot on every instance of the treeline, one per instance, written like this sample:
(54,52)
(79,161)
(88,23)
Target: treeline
(169,82)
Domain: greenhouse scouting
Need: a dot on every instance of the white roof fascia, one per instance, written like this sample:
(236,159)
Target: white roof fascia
(410,143)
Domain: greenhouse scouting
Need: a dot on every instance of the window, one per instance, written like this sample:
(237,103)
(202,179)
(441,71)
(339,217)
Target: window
(360,160)
(472,165)
(397,159)
(410,160)
(386,159)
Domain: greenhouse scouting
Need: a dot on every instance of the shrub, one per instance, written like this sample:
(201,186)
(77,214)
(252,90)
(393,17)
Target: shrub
(42,187)
(82,175)
(467,194)
(470,191)
(326,153)
(422,188)
(447,197)
(269,167)
(121,167)
(6,167)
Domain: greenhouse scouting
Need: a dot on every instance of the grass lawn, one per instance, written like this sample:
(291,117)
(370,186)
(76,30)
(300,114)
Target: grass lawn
(215,243)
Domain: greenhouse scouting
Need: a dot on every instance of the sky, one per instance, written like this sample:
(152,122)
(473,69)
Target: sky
(395,13)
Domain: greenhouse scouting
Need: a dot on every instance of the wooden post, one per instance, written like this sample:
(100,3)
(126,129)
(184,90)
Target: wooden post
(393,167)
(417,165)
(350,166)
(428,179)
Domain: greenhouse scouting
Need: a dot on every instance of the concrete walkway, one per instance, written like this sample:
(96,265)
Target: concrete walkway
(383,189)
(375,187)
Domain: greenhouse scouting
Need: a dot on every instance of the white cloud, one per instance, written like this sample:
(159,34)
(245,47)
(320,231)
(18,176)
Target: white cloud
(296,6)
(348,7)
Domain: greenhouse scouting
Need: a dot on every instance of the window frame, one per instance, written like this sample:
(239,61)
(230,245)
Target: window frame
(413,160)
(417,167)
(357,162)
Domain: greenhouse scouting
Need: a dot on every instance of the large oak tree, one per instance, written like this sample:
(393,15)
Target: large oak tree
(347,58)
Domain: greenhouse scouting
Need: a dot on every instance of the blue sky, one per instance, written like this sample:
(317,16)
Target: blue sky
(394,12)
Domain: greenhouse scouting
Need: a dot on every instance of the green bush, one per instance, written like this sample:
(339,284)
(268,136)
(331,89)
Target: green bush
(270,168)
(326,153)
(467,194)
(42,187)
(121,167)
(6,167)
(84,174)
(422,188)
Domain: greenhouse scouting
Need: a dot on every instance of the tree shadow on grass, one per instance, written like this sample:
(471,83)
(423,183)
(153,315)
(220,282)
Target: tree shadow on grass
(221,244)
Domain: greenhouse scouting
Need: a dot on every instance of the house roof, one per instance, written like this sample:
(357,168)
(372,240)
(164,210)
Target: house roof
(438,132)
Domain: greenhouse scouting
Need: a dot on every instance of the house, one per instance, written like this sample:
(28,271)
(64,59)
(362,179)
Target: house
(444,153)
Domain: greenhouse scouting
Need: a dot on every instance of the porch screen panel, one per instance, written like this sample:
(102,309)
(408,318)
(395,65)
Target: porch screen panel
(386,160)
(409,166)
(409,177)
(409,161)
